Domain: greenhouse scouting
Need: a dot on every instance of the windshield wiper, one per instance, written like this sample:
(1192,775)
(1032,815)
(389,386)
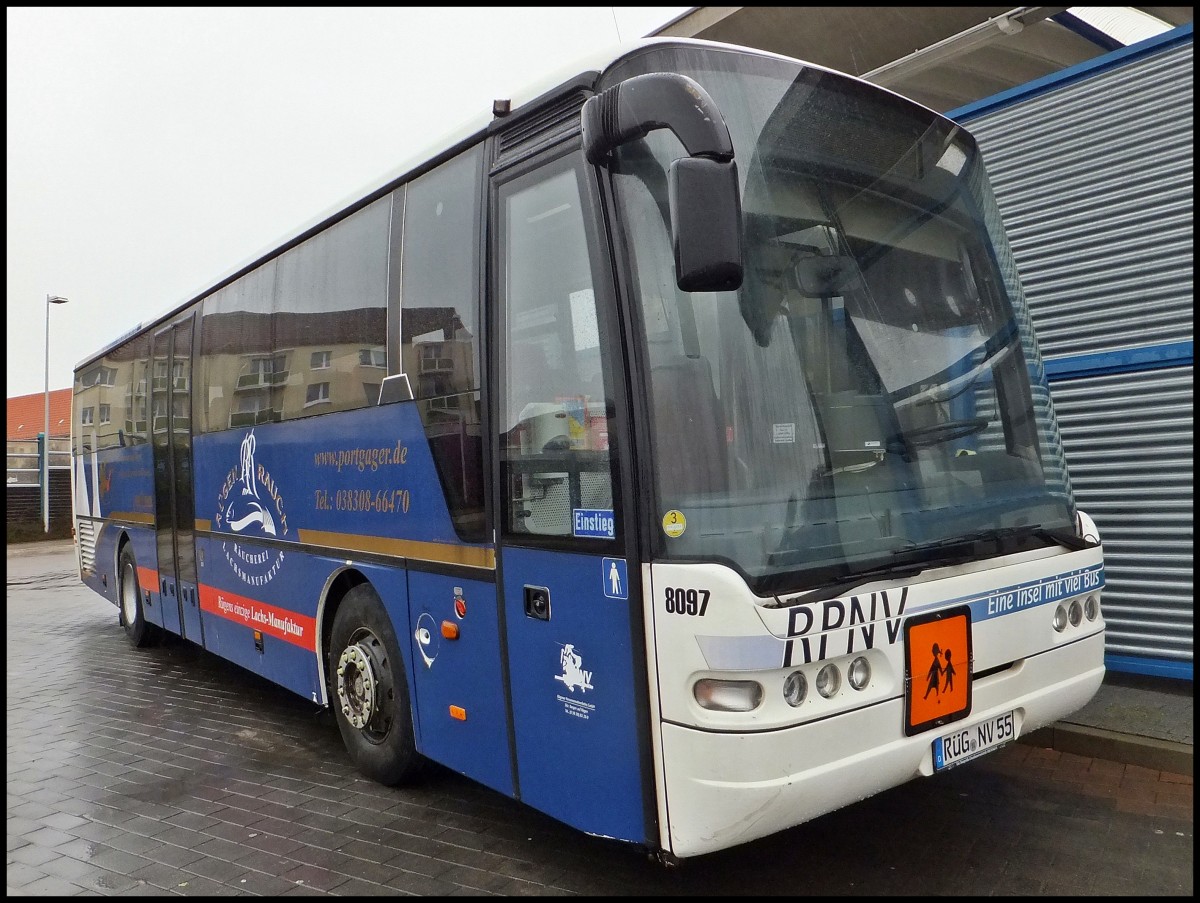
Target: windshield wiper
(1068,539)
(969,541)
(840,585)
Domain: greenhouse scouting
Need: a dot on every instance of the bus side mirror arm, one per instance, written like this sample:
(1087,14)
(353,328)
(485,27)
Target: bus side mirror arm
(705,201)
(395,388)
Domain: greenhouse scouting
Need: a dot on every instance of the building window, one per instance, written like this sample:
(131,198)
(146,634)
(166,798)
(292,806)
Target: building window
(252,404)
(317,394)
(98,376)
(372,357)
(259,372)
(269,366)
(105,412)
(251,408)
(319,360)
(87,416)
(158,421)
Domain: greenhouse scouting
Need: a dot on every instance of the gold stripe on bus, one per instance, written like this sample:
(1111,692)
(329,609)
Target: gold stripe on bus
(444,553)
(132,517)
(469,556)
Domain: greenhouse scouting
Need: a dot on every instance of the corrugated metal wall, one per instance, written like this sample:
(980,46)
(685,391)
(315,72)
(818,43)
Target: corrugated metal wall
(1128,440)
(1093,175)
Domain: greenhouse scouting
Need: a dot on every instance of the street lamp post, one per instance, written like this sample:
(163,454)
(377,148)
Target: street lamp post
(50,299)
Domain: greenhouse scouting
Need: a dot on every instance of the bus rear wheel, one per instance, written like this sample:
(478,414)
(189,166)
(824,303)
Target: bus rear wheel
(133,616)
(370,690)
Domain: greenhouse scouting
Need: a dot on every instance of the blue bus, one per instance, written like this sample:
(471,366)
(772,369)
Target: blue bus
(670,450)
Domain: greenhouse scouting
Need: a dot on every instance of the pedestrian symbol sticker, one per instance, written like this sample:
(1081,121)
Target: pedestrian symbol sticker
(614,578)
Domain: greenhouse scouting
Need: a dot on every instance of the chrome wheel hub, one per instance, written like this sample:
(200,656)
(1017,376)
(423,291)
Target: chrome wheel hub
(357,685)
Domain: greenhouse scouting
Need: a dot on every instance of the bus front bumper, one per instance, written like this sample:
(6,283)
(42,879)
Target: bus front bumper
(724,789)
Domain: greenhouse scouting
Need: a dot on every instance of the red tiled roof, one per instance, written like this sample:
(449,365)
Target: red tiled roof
(27,415)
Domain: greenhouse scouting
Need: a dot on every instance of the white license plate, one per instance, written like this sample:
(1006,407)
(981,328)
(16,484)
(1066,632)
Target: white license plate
(965,743)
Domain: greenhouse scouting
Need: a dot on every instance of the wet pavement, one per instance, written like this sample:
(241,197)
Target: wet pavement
(170,771)
(1135,719)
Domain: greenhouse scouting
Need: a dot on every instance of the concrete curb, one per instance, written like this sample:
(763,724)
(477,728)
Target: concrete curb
(1129,749)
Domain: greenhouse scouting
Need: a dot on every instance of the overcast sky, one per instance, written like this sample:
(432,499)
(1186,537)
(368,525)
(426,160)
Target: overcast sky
(152,150)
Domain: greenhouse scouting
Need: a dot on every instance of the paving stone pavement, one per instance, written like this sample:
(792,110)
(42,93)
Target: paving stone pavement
(1135,719)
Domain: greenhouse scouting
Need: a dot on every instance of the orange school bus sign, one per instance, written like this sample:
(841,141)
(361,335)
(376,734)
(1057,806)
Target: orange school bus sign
(937,669)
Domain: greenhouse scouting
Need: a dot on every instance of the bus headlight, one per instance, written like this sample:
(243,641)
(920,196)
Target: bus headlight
(829,681)
(1086,527)
(1075,613)
(1091,608)
(1060,618)
(728,695)
(859,672)
(795,688)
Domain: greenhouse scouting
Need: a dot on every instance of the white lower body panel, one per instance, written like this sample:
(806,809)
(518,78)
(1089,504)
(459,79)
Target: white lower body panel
(723,789)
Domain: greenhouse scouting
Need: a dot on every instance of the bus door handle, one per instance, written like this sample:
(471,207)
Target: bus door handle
(537,602)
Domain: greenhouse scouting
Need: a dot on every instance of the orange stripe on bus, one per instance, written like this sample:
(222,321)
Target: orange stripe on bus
(147,578)
(299,630)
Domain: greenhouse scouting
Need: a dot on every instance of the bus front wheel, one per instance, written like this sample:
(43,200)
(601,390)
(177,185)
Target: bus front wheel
(370,690)
(133,616)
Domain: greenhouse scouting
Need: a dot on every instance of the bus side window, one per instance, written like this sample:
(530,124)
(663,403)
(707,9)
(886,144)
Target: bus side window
(554,410)
(439,327)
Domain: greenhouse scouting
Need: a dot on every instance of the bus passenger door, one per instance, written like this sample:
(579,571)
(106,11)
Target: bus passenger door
(171,439)
(568,579)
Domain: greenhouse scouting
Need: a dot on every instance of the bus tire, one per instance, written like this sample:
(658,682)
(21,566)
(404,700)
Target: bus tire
(140,632)
(369,690)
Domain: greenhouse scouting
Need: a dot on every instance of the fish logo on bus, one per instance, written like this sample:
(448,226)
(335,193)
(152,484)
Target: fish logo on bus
(250,504)
(252,511)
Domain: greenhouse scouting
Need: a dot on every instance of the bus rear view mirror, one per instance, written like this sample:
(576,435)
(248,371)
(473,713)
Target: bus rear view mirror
(706,224)
(706,217)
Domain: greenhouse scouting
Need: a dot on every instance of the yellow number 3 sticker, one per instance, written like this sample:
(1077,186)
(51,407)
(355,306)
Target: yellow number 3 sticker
(674,523)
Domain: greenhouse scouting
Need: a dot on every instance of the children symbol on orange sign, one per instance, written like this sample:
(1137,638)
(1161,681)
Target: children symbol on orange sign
(948,673)
(935,674)
(937,670)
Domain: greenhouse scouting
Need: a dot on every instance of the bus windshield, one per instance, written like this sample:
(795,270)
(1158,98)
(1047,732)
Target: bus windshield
(872,394)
